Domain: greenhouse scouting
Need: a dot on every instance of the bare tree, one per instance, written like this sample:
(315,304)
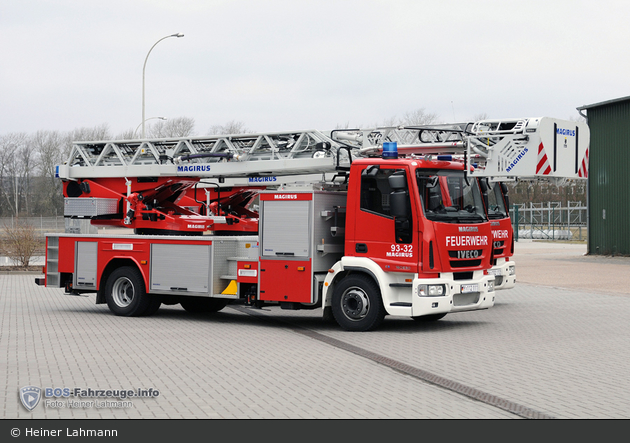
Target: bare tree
(391,121)
(231,127)
(48,147)
(100,132)
(346,125)
(27,165)
(129,134)
(418,117)
(176,127)
(15,156)
(480,116)
(6,174)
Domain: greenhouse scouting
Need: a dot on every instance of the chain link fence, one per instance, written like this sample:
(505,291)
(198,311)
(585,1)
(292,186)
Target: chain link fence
(20,246)
(550,221)
(42,225)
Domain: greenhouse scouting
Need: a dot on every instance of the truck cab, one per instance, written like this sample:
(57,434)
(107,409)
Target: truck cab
(503,268)
(417,232)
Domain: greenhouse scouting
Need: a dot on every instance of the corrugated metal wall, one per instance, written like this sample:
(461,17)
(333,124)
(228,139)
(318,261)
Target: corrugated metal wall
(609,179)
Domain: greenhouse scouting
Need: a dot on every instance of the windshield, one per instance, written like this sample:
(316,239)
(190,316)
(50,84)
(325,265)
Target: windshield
(496,204)
(449,198)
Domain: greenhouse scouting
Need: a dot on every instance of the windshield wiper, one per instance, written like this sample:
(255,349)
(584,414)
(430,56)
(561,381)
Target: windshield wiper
(470,218)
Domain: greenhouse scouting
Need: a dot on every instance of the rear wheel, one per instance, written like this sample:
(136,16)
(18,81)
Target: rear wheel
(357,304)
(198,305)
(126,295)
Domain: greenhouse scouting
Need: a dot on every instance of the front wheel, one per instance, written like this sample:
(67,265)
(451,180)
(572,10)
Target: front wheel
(357,304)
(126,294)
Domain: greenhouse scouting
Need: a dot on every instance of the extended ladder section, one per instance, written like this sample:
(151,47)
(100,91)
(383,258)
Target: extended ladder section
(543,148)
(237,155)
(530,148)
(434,139)
(145,183)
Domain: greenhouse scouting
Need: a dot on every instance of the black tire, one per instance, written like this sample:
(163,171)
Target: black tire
(198,305)
(153,307)
(430,317)
(126,294)
(357,304)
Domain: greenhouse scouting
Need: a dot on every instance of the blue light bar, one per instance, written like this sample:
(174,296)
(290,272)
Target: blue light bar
(390,150)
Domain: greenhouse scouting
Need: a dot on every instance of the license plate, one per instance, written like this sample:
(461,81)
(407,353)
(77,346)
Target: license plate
(470,288)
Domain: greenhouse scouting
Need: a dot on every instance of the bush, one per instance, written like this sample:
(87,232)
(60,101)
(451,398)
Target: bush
(20,243)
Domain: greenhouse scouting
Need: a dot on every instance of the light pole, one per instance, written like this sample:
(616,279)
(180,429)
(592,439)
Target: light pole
(138,127)
(144,68)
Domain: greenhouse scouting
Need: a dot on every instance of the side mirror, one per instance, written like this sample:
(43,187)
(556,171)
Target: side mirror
(483,186)
(397,181)
(398,204)
(398,198)
(504,191)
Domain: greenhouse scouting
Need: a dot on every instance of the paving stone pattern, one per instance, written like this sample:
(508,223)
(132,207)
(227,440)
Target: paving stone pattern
(541,352)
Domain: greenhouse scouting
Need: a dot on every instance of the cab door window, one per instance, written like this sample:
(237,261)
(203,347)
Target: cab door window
(376,195)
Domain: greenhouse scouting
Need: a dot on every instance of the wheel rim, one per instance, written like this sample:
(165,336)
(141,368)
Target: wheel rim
(355,303)
(123,292)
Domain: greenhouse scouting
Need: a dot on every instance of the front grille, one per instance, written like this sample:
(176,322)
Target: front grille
(463,275)
(474,253)
(465,258)
(465,263)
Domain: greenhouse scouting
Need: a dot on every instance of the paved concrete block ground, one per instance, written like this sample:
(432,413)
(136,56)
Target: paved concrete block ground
(554,346)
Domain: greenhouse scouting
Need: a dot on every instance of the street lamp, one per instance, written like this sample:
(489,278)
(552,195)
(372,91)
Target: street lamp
(144,68)
(138,127)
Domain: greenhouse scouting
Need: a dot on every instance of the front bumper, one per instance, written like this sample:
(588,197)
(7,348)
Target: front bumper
(473,295)
(431,304)
(458,295)
(504,273)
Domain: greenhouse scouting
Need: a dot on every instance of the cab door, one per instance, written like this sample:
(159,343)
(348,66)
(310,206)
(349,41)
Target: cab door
(387,238)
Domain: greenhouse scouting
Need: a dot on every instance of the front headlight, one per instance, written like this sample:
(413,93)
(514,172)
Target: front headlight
(491,286)
(512,270)
(431,290)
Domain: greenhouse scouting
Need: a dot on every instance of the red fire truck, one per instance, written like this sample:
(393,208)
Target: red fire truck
(361,224)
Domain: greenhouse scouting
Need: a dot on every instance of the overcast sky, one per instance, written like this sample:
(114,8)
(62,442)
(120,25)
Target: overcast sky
(302,64)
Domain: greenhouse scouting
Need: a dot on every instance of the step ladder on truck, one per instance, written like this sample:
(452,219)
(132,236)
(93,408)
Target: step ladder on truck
(361,224)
